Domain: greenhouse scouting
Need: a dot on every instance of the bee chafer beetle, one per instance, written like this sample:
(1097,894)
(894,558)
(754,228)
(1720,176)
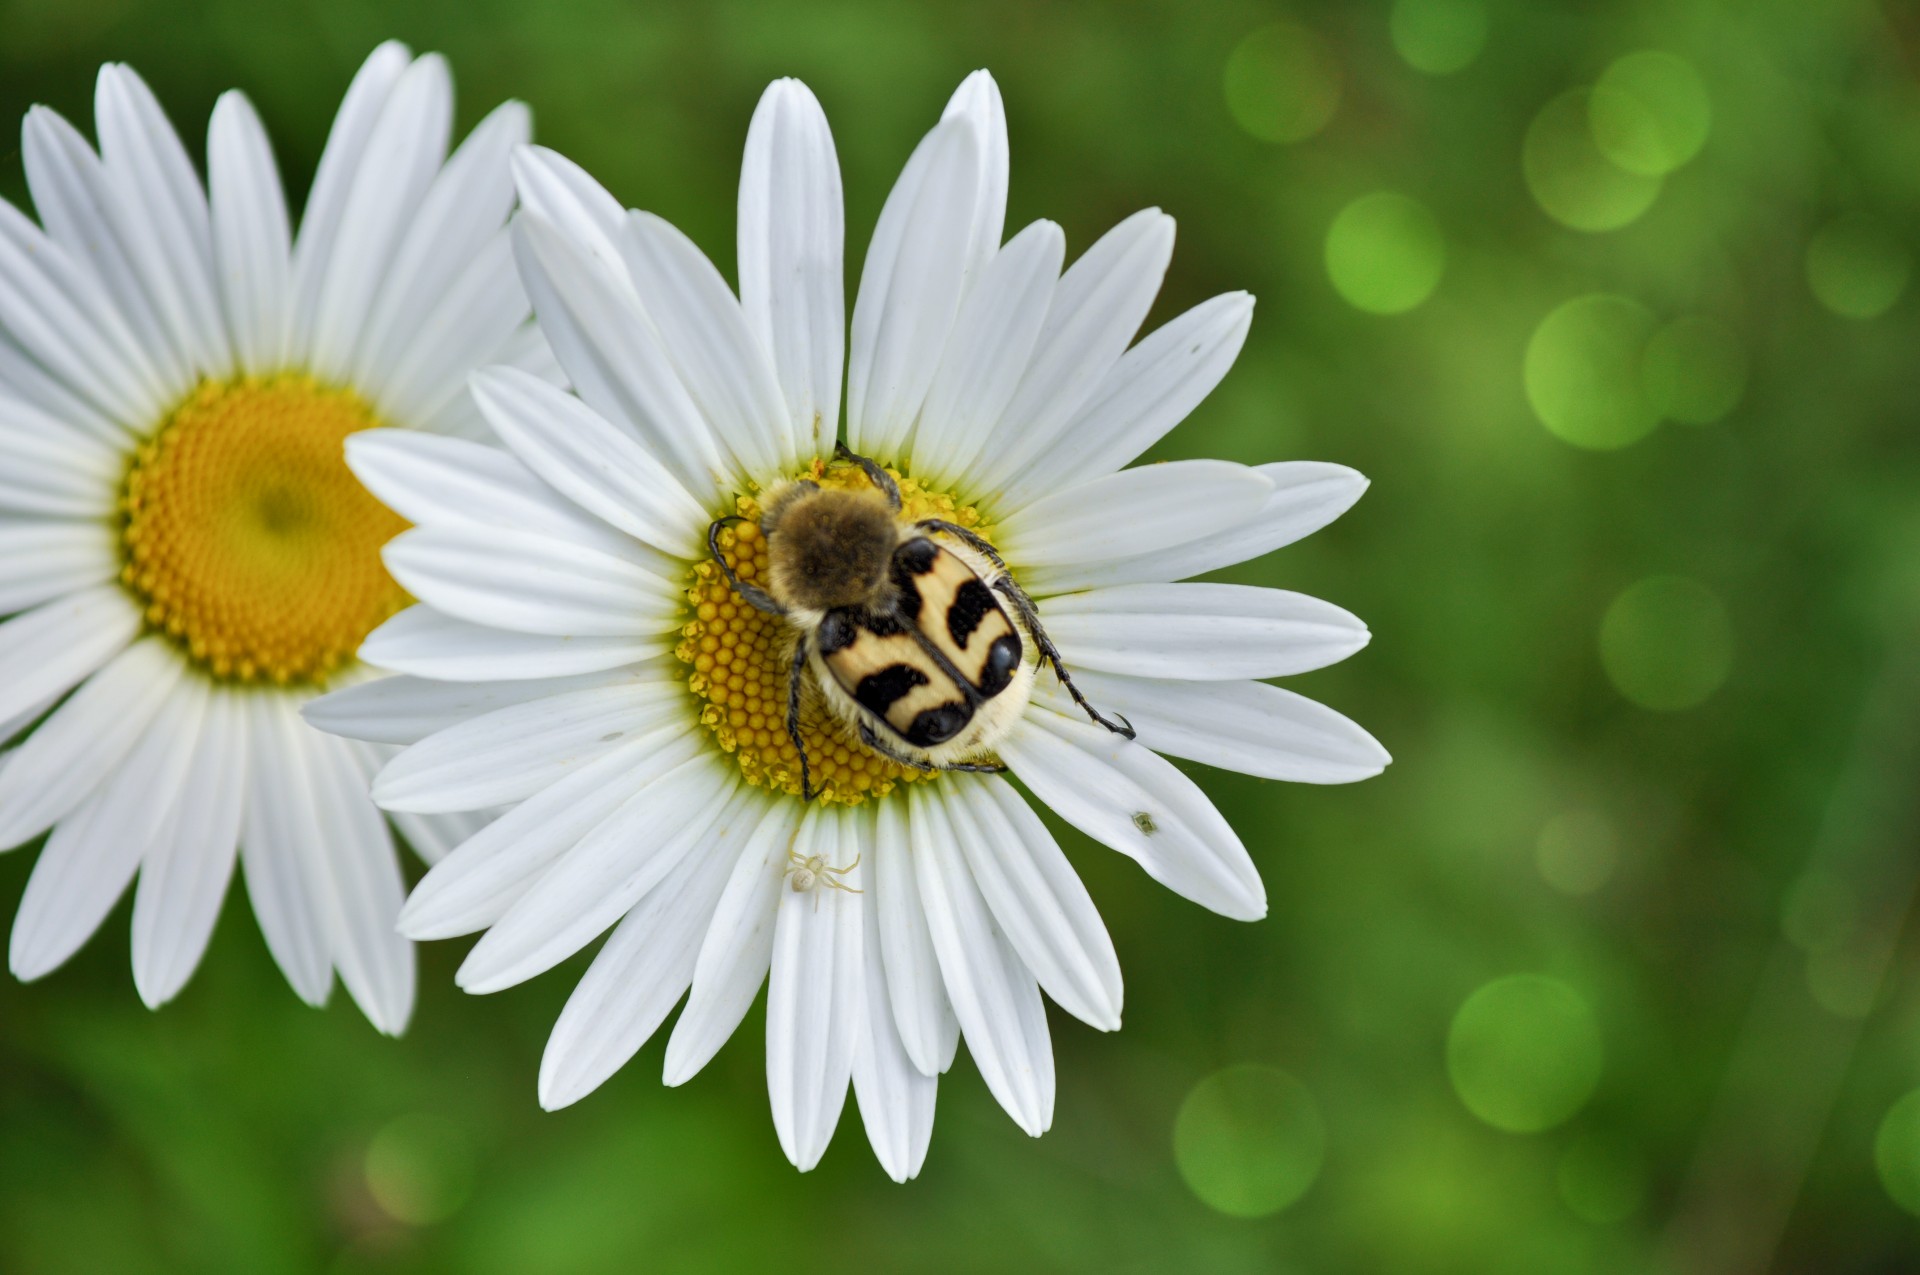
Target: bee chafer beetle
(914,632)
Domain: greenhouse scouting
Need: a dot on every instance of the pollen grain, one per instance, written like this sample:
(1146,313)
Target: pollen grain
(247,540)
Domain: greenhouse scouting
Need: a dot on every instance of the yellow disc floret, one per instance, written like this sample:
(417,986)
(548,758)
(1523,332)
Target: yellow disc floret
(740,661)
(248,541)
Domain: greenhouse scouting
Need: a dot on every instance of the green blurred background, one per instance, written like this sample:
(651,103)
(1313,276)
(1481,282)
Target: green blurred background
(1610,298)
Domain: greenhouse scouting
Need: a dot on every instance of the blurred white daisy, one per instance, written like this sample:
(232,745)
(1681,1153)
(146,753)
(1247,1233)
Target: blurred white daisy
(639,696)
(188,556)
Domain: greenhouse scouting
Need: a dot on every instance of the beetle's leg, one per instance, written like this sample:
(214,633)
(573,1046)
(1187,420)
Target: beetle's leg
(756,597)
(880,478)
(793,717)
(873,741)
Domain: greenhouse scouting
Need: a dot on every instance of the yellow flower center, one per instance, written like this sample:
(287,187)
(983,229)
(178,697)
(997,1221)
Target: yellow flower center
(246,538)
(739,661)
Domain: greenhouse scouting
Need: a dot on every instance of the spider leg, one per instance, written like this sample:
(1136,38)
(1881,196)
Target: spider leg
(880,478)
(793,718)
(757,598)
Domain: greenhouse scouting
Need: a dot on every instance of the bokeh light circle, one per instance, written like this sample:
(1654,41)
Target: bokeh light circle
(1583,371)
(1666,643)
(1694,370)
(1524,1053)
(1896,1152)
(1578,851)
(1601,1180)
(1571,179)
(419,1169)
(1282,83)
(1438,36)
(1249,1140)
(1385,253)
(1858,267)
(1650,112)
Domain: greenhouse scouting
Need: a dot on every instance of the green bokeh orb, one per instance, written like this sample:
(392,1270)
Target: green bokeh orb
(1896,1152)
(1578,851)
(1601,1180)
(1385,253)
(1438,36)
(1650,113)
(1249,1140)
(1858,267)
(1571,178)
(1666,643)
(419,1169)
(1695,370)
(1524,1053)
(1583,372)
(1282,83)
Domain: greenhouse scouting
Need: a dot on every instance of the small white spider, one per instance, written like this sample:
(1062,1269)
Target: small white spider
(804,873)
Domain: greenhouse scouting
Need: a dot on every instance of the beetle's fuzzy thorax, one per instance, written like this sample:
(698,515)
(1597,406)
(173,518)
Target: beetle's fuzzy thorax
(828,548)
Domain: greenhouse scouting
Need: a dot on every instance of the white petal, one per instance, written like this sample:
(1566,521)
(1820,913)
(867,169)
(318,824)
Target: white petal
(461,213)
(928,1030)
(1121,794)
(433,481)
(1132,512)
(1248,727)
(45,559)
(531,583)
(641,972)
(1151,390)
(705,335)
(165,220)
(403,153)
(987,352)
(425,643)
(1200,632)
(737,948)
(405,710)
(994,996)
(608,871)
(611,352)
(815,1001)
(511,753)
(434,837)
(252,241)
(791,239)
(86,738)
(65,342)
(474,886)
(49,468)
(978,99)
(1037,900)
(362,890)
(896,1098)
(471,319)
(281,848)
(185,874)
(590,461)
(910,287)
(93,851)
(83,213)
(559,191)
(1097,308)
(1306,496)
(348,144)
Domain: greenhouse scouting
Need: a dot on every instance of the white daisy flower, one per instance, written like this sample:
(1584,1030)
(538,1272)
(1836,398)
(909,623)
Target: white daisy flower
(186,556)
(656,714)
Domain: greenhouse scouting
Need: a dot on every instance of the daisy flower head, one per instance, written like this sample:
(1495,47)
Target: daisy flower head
(757,688)
(184,554)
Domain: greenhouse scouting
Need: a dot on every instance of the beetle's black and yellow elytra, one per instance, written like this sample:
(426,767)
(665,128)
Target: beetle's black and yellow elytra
(908,639)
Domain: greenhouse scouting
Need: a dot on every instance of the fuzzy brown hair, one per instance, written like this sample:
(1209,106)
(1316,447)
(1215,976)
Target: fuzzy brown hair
(828,548)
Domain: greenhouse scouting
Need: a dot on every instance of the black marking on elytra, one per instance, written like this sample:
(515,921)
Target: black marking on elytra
(838,629)
(878,691)
(972,603)
(916,556)
(939,724)
(1003,657)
